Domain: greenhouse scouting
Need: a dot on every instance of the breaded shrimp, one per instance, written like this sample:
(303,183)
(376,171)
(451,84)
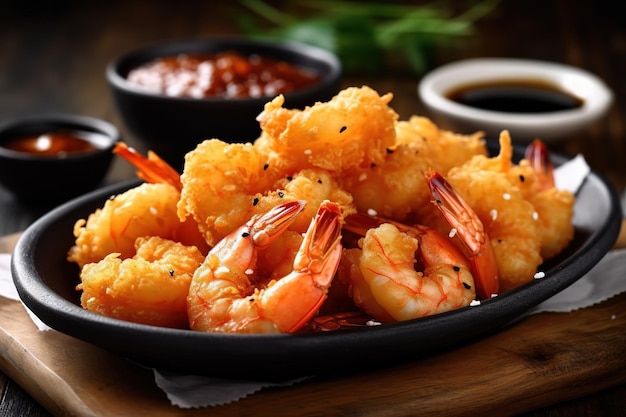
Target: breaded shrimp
(149,288)
(354,128)
(508,218)
(554,207)
(444,148)
(146,210)
(394,188)
(220,182)
(311,185)
(420,146)
(225,297)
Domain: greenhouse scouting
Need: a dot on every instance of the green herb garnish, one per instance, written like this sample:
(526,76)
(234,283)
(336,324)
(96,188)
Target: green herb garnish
(365,34)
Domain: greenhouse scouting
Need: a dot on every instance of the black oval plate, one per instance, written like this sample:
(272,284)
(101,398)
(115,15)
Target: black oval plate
(46,284)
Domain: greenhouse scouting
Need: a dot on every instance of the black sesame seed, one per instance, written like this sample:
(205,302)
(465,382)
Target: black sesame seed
(521,178)
(372,165)
(245,234)
(171,272)
(456,268)
(319,181)
(289,178)
(281,194)
(255,201)
(343,129)
(389,150)
(467,286)
(266,166)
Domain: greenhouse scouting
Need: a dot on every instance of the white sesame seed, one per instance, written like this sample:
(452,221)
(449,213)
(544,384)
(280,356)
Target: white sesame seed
(372,323)
(613,317)
(229,187)
(540,275)
(494,214)
(506,196)
(494,295)
(372,212)
(535,215)
(222,270)
(153,211)
(308,152)
(249,271)
(475,303)
(362,177)
(452,233)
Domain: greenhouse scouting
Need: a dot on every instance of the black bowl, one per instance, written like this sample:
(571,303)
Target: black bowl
(172,126)
(33,177)
(46,284)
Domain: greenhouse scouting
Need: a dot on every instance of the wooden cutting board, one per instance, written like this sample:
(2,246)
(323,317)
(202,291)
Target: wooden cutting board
(542,360)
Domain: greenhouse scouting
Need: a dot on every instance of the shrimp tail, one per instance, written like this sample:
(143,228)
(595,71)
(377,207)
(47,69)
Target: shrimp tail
(152,169)
(539,158)
(470,230)
(223,298)
(296,298)
(360,223)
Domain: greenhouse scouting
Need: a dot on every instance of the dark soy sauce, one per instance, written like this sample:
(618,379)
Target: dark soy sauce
(515,96)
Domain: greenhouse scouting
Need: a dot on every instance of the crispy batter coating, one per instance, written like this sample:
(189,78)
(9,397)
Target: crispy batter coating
(354,128)
(220,182)
(508,217)
(146,210)
(149,288)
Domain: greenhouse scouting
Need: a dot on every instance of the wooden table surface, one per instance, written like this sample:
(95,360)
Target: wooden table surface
(53,55)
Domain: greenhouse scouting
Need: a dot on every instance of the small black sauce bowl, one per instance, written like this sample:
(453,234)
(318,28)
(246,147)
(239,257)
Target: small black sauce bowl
(53,179)
(172,126)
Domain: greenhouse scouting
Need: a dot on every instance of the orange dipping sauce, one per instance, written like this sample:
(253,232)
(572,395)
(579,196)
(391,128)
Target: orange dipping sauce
(49,144)
(225,74)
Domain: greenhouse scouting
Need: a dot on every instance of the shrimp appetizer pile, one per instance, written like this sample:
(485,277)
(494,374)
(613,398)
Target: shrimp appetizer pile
(338,215)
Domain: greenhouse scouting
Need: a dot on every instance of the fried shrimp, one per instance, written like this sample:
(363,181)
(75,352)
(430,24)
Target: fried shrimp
(146,210)
(220,182)
(420,146)
(227,296)
(354,128)
(387,285)
(392,189)
(508,218)
(445,149)
(311,185)
(248,238)
(467,226)
(554,207)
(149,288)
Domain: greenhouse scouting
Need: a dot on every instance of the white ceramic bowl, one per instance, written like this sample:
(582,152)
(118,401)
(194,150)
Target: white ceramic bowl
(434,87)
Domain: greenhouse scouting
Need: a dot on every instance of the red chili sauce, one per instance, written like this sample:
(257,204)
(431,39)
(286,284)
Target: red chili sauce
(225,74)
(49,144)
